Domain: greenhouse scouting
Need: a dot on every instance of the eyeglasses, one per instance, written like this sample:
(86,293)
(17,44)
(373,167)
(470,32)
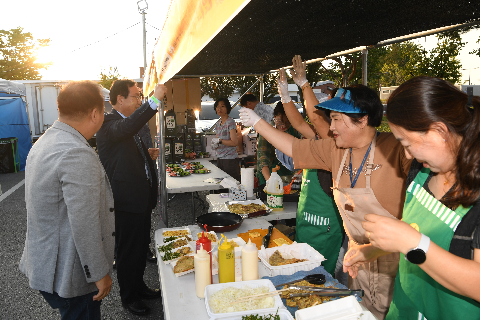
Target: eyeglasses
(139,98)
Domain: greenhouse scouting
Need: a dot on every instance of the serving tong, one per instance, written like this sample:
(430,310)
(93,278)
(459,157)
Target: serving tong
(332,292)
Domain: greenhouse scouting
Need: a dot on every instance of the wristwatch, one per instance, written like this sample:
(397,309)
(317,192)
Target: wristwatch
(219,141)
(418,255)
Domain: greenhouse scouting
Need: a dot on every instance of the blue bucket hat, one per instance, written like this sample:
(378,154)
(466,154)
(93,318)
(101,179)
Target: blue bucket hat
(342,102)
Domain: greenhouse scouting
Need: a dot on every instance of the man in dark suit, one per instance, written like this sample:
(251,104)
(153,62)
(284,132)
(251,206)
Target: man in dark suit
(131,171)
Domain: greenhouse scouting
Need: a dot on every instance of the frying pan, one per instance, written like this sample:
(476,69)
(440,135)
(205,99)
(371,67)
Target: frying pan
(220,221)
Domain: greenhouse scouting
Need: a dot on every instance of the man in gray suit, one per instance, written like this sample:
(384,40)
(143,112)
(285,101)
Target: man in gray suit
(68,252)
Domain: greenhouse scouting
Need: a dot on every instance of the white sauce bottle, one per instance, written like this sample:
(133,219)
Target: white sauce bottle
(249,261)
(201,262)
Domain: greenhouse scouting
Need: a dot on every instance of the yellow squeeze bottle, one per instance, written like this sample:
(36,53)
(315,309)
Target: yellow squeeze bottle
(226,262)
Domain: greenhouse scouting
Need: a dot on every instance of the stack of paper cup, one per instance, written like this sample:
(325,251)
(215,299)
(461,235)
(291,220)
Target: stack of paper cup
(247,181)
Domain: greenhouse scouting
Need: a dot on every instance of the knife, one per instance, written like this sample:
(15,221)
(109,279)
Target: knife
(266,239)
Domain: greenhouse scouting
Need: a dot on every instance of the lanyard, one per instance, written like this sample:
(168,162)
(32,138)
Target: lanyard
(354,181)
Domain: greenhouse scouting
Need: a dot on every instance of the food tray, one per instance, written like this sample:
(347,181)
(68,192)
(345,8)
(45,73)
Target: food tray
(343,308)
(211,289)
(174,229)
(253,214)
(263,232)
(185,272)
(176,249)
(284,315)
(211,232)
(297,250)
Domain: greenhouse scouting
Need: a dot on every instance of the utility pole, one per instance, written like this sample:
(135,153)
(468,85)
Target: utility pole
(142,9)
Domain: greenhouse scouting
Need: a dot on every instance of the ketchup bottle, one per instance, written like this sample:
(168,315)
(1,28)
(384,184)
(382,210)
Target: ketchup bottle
(206,243)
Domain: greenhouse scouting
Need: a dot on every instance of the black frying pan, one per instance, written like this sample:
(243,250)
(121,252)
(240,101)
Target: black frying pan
(220,221)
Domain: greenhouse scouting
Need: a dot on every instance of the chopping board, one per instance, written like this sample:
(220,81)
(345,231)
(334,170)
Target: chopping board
(263,232)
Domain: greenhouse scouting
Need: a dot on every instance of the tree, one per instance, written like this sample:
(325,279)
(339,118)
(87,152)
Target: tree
(401,62)
(217,87)
(243,83)
(442,61)
(18,52)
(106,80)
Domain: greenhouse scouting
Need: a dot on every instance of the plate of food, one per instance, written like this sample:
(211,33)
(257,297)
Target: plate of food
(248,208)
(172,255)
(183,265)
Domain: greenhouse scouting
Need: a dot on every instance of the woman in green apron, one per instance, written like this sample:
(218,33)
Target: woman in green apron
(439,237)
(318,221)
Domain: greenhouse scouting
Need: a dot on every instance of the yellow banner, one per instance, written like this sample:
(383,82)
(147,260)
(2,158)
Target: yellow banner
(189,27)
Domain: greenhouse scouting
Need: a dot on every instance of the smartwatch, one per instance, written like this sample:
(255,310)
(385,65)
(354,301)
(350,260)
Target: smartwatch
(418,255)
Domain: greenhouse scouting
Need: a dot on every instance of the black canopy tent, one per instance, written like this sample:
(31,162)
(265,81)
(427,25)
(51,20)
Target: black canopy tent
(266,34)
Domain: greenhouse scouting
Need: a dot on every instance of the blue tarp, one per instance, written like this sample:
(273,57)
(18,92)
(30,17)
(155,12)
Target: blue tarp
(14,123)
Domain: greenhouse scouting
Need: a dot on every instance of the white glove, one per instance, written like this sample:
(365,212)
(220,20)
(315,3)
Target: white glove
(282,86)
(248,117)
(215,142)
(299,72)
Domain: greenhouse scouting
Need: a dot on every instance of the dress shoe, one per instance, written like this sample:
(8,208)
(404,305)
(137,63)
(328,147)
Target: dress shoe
(138,308)
(151,257)
(148,293)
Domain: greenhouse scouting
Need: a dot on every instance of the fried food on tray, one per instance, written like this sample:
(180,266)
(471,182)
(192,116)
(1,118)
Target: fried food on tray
(254,234)
(246,208)
(183,264)
(179,243)
(280,241)
(304,302)
(211,236)
(175,233)
(233,243)
(276,259)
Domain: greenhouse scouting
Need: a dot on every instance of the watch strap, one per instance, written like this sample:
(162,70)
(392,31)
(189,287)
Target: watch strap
(424,243)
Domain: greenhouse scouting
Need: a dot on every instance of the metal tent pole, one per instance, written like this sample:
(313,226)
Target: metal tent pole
(162,188)
(364,66)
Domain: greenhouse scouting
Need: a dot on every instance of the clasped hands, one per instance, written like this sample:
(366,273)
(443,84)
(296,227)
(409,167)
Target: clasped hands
(386,235)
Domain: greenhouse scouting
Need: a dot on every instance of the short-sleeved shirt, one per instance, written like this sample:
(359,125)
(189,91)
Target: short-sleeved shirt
(390,167)
(223,132)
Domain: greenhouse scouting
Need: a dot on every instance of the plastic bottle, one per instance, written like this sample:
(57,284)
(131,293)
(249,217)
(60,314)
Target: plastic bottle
(226,262)
(206,243)
(249,261)
(203,274)
(274,190)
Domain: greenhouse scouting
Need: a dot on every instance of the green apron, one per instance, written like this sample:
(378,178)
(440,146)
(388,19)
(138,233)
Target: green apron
(318,222)
(416,294)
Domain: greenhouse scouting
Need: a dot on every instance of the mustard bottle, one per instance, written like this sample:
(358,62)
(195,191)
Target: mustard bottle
(249,261)
(226,262)
(201,262)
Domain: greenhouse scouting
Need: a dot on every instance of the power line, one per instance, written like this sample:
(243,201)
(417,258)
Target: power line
(153,26)
(104,38)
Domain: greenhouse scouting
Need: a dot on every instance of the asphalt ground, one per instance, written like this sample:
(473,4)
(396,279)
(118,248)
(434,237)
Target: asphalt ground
(19,301)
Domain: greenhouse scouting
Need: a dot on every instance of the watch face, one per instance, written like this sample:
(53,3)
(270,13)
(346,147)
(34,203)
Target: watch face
(416,256)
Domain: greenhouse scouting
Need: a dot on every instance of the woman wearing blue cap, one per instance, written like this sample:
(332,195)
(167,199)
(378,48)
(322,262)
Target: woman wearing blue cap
(368,169)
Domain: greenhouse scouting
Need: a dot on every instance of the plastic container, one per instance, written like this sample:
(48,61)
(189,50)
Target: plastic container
(249,261)
(296,250)
(274,191)
(282,313)
(211,289)
(203,273)
(226,262)
(344,308)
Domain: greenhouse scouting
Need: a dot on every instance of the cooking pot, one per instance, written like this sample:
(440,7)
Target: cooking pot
(220,221)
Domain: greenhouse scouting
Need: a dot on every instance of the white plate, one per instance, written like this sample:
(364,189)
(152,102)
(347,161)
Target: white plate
(283,313)
(174,229)
(336,309)
(211,289)
(176,249)
(185,272)
(296,250)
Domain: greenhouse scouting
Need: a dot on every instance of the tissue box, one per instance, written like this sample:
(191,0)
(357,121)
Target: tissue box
(237,194)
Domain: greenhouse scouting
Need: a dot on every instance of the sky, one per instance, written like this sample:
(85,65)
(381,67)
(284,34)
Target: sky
(88,37)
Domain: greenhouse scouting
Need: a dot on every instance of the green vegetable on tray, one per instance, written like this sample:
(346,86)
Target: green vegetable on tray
(169,239)
(165,248)
(169,255)
(266,317)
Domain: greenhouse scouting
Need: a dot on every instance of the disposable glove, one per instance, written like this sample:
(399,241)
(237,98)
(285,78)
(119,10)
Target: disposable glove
(248,117)
(299,73)
(282,85)
(215,142)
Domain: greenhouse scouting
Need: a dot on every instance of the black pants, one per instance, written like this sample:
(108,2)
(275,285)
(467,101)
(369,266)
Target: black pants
(132,237)
(230,166)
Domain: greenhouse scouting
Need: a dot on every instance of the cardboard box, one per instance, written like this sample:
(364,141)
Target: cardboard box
(250,144)
(237,194)
(168,151)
